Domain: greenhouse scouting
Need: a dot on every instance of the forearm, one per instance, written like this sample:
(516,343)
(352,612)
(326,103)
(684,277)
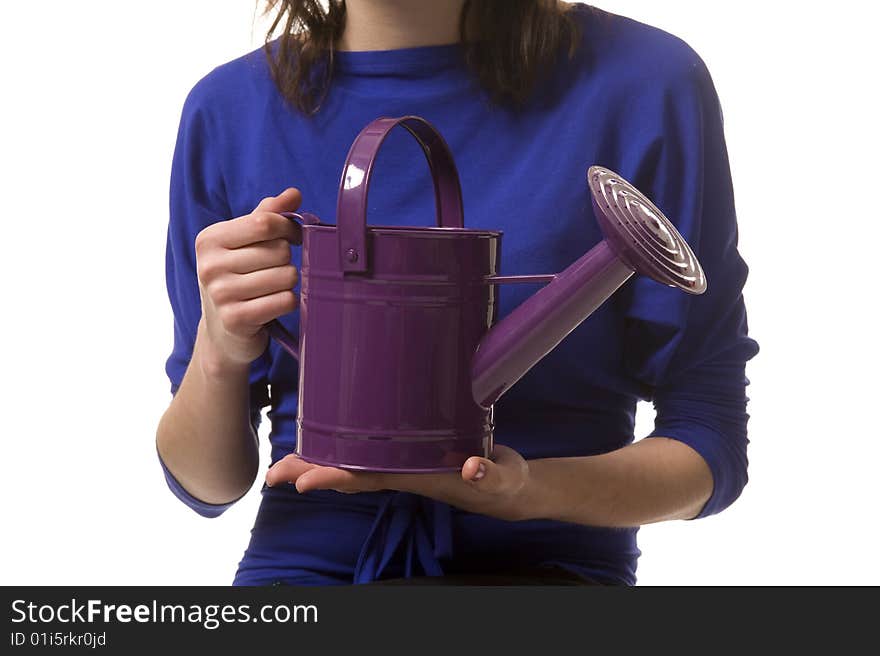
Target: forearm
(205,437)
(650,481)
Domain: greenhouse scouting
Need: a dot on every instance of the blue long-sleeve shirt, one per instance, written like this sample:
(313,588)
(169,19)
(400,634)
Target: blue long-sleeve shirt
(634,99)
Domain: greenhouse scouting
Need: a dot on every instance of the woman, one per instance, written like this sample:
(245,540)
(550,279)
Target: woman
(528,94)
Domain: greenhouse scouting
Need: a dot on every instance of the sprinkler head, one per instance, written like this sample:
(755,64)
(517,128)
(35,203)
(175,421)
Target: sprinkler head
(641,235)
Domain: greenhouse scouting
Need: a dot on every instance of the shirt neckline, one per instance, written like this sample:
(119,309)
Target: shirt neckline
(419,61)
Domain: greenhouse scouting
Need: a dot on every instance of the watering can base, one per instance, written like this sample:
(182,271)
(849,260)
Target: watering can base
(390,455)
(382,470)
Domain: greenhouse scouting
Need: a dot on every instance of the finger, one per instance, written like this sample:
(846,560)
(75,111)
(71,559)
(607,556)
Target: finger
(503,473)
(257,227)
(236,287)
(249,317)
(287,470)
(332,478)
(504,456)
(287,201)
(218,263)
(484,474)
(254,257)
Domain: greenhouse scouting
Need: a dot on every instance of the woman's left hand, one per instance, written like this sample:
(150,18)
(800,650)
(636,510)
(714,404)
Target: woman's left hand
(498,488)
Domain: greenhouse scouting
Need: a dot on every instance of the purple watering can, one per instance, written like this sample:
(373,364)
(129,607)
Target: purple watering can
(400,357)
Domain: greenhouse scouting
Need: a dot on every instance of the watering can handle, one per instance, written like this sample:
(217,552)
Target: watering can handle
(351,209)
(275,328)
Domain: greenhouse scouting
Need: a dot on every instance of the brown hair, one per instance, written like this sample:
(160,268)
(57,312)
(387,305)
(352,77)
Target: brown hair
(514,42)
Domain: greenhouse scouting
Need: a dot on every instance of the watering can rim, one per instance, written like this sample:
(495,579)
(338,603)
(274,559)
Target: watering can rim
(422,231)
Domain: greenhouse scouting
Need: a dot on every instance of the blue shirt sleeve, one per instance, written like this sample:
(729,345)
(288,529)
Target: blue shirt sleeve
(690,352)
(197,199)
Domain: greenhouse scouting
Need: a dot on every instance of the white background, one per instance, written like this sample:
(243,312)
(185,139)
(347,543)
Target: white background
(91,98)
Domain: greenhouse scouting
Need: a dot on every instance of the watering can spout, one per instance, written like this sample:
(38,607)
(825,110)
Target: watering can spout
(638,239)
(532,330)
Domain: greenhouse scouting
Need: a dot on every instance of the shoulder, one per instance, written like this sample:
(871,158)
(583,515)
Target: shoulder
(227,91)
(635,56)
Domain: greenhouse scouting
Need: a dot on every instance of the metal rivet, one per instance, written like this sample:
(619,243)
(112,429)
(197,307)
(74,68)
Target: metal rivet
(351,255)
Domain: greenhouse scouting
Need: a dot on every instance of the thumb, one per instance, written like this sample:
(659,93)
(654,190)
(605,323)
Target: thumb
(483,474)
(287,201)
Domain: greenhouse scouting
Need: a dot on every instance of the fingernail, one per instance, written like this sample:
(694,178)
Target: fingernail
(268,483)
(481,472)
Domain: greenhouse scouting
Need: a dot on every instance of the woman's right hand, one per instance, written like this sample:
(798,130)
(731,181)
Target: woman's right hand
(246,278)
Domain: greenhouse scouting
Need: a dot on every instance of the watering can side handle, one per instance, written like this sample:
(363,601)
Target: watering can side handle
(280,334)
(275,328)
(351,208)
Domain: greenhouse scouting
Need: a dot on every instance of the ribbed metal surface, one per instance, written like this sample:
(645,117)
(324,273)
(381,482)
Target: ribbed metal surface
(646,239)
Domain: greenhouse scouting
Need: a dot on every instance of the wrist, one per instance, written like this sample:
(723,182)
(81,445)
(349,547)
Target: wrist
(212,358)
(551,492)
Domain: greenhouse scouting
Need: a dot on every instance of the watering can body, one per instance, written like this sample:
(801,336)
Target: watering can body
(400,358)
(385,359)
